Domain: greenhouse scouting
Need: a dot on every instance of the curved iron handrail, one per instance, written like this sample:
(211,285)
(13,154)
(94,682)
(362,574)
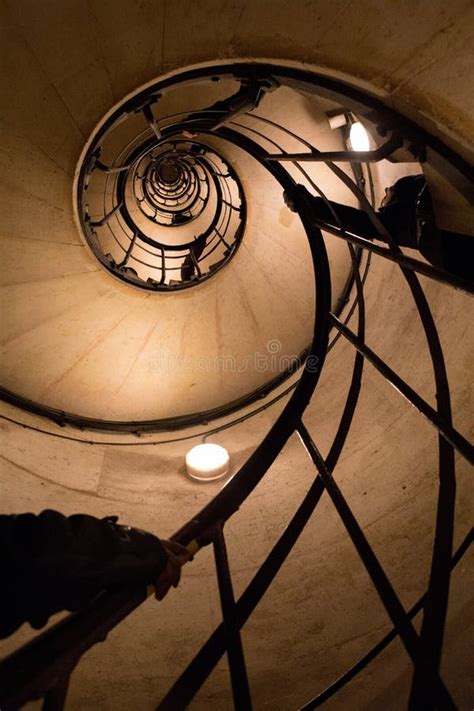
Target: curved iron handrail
(63,645)
(63,418)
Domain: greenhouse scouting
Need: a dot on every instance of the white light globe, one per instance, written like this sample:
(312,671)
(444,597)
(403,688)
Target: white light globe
(207,462)
(359,137)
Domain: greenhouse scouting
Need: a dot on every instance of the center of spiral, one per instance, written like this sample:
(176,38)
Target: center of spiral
(168,172)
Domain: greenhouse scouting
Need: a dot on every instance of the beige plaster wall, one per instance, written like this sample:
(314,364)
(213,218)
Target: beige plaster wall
(72,61)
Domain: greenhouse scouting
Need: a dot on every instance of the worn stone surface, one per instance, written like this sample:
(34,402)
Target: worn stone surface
(78,339)
(69,317)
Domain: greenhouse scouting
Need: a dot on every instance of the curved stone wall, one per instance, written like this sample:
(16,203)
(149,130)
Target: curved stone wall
(66,64)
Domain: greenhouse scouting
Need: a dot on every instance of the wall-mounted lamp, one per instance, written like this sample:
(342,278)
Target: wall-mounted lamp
(207,462)
(359,138)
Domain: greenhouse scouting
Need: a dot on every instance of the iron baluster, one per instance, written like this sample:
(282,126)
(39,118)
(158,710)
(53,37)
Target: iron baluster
(449,433)
(150,119)
(377,574)
(46,657)
(106,218)
(129,250)
(235,652)
(364,661)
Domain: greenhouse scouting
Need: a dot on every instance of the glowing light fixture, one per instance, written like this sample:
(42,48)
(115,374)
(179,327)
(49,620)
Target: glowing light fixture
(359,137)
(207,462)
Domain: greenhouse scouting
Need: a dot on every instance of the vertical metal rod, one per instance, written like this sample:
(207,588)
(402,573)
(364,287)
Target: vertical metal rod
(442,424)
(55,697)
(129,250)
(235,652)
(163,266)
(377,574)
(150,119)
(221,238)
(106,218)
(195,262)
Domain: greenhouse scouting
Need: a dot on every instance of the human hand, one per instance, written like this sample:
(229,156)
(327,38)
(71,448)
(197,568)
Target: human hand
(294,196)
(178,555)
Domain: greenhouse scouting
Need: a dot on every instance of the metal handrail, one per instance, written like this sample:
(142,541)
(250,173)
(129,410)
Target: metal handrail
(44,665)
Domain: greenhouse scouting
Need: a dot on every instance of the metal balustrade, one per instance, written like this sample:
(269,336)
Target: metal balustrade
(42,668)
(169,213)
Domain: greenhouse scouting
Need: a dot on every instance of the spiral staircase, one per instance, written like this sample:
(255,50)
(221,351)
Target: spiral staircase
(158,292)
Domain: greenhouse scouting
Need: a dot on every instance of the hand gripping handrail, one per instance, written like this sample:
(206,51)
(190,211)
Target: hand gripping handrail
(43,667)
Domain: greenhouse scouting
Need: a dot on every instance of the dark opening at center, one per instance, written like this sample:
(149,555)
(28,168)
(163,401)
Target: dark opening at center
(168,172)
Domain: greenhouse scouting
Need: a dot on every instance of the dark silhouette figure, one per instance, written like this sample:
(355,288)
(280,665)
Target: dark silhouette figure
(52,563)
(407,214)
(248,97)
(190,267)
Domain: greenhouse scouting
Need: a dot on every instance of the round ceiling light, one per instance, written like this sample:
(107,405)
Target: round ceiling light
(207,462)
(359,137)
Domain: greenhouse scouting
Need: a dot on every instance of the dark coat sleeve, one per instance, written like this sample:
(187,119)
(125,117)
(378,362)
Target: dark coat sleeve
(52,563)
